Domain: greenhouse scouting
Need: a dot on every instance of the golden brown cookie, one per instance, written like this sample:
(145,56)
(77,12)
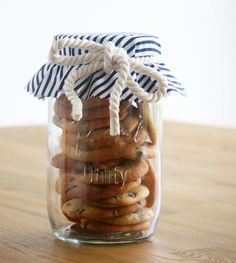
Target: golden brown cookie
(123,150)
(150,180)
(102,138)
(99,227)
(92,102)
(137,217)
(61,161)
(76,189)
(97,112)
(129,198)
(126,172)
(76,209)
(84,126)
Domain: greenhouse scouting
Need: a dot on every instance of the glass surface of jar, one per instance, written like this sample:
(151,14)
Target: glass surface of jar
(104,135)
(103,188)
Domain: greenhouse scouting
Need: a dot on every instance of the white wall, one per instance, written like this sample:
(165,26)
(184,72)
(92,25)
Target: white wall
(198,40)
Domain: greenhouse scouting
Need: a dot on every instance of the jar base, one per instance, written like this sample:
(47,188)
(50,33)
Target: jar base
(74,237)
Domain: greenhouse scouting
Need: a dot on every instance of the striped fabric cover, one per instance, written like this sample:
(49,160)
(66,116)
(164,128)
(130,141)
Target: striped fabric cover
(49,80)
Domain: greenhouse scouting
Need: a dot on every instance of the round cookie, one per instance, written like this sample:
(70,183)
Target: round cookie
(102,138)
(128,198)
(92,102)
(99,227)
(76,189)
(78,208)
(61,161)
(126,172)
(127,126)
(137,217)
(123,150)
(97,112)
(84,126)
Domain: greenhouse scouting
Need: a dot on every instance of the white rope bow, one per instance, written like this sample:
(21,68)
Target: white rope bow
(107,57)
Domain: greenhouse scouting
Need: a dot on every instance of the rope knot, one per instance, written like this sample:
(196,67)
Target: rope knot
(106,57)
(112,54)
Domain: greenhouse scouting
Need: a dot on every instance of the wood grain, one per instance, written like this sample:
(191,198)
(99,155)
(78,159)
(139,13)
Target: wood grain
(198,217)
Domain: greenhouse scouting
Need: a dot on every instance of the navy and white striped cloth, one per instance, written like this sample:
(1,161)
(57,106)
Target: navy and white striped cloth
(49,80)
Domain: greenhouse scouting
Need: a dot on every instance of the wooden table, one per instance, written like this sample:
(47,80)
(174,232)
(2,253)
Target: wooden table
(198,217)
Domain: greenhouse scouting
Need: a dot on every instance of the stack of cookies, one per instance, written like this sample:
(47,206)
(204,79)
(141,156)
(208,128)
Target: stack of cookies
(106,183)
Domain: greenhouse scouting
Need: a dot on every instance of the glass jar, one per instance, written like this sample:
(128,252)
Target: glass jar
(104,149)
(104,189)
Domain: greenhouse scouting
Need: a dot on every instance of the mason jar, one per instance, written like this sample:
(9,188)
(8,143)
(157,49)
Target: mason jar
(105,93)
(103,188)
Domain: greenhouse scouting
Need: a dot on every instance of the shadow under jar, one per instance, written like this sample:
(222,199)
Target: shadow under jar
(104,189)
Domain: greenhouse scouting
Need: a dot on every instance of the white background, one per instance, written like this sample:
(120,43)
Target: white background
(198,42)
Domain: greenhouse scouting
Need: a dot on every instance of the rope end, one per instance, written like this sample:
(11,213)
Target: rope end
(76,112)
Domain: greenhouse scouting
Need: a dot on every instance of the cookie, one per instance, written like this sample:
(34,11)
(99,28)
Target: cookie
(126,172)
(92,102)
(97,112)
(99,227)
(76,189)
(128,125)
(102,138)
(84,126)
(123,150)
(137,217)
(128,198)
(150,180)
(61,161)
(76,209)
